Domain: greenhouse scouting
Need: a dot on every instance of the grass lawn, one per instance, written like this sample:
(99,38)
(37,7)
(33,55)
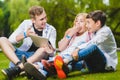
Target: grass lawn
(77,75)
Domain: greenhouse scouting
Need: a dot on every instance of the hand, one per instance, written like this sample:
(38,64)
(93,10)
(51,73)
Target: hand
(49,49)
(29,32)
(77,28)
(75,54)
(74,30)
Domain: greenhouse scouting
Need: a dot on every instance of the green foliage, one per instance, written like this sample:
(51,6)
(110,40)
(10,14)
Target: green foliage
(19,11)
(60,13)
(1,17)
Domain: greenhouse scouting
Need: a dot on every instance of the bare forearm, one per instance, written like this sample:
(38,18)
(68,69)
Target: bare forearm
(63,44)
(20,37)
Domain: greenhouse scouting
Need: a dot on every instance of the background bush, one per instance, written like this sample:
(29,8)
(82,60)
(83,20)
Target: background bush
(60,13)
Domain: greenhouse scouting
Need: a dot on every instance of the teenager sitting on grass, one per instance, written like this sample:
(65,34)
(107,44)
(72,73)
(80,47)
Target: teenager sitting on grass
(73,37)
(99,53)
(36,25)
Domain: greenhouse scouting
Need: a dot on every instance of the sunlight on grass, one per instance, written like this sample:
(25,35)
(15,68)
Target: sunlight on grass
(77,75)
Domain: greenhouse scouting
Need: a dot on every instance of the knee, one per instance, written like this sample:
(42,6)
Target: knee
(93,46)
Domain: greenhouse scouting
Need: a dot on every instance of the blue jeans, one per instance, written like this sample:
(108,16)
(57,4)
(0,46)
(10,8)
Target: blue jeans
(93,57)
(78,66)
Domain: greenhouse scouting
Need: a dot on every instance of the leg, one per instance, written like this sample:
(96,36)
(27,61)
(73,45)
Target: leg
(14,71)
(11,53)
(38,55)
(93,57)
(8,50)
(78,66)
(31,56)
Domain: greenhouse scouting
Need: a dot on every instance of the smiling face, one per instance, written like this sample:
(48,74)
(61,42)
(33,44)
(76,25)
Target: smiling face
(40,21)
(38,17)
(92,25)
(95,20)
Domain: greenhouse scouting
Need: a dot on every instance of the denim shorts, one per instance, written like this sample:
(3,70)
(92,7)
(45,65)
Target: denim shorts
(19,53)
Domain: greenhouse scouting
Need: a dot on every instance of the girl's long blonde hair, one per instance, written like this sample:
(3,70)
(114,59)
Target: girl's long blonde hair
(79,14)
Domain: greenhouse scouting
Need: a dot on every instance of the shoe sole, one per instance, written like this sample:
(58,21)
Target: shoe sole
(31,70)
(58,63)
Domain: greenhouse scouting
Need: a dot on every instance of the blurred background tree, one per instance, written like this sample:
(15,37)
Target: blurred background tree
(60,13)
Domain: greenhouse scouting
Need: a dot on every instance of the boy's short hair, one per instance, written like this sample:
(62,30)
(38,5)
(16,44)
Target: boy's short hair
(35,10)
(97,15)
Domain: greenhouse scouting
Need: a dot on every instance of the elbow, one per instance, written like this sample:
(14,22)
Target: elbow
(12,40)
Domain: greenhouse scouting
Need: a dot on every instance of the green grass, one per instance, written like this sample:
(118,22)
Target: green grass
(77,75)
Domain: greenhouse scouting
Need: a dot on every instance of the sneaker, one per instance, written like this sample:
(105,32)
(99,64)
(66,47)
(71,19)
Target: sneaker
(11,72)
(49,67)
(32,71)
(60,67)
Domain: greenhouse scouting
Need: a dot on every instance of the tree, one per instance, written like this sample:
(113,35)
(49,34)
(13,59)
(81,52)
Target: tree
(60,13)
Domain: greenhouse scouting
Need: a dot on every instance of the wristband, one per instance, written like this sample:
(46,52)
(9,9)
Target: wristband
(25,35)
(68,37)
